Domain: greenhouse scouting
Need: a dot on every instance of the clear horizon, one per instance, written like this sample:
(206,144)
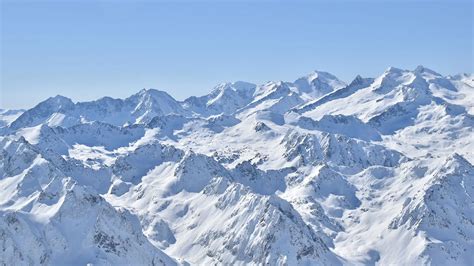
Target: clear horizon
(87,50)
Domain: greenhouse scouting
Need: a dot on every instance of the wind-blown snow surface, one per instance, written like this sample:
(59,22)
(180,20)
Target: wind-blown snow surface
(315,171)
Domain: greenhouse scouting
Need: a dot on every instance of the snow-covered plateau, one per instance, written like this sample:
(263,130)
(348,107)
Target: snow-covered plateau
(377,171)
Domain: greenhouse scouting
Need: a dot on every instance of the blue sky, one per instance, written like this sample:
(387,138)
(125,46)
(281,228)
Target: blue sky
(88,49)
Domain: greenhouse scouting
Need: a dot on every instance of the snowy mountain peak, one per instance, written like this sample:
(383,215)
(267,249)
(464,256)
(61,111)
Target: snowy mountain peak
(51,108)
(357,81)
(59,101)
(421,69)
(225,98)
(311,172)
(458,164)
(322,75)
(394,70)
(318,83)
(151,95)
(394,75)
(396,79)
(236,86)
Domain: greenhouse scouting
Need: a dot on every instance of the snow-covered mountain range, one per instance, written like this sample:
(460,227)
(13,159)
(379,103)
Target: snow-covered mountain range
(311,172)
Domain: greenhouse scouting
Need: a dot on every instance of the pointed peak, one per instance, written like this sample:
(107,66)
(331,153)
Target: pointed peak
(394,70)
(148,91)
(315,74)
(456,157)
(421,69)
(358,80)
(59,98)
(58,101)
(392,77)
(153,93)
(22,139)
(320,72)
(188,154)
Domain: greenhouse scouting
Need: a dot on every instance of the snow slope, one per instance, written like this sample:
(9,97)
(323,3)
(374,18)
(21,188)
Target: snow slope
(310,172)
(8,116)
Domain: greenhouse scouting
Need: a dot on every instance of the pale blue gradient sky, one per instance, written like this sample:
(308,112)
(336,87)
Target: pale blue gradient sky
(88,49)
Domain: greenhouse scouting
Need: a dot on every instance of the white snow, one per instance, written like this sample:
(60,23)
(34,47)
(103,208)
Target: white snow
(310,172)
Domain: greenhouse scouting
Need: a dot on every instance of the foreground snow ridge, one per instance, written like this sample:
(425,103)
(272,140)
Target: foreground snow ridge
(310,172)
